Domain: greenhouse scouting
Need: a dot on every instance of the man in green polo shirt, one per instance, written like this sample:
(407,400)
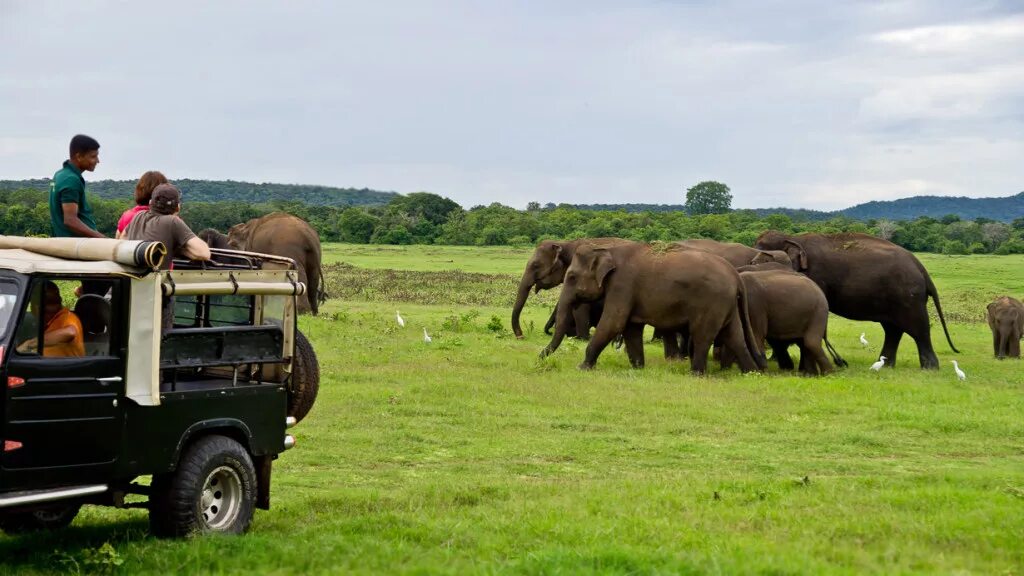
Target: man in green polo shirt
(70,213)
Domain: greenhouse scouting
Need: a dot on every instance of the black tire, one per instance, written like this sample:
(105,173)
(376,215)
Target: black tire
(213,490)
(52,518)
(305,381)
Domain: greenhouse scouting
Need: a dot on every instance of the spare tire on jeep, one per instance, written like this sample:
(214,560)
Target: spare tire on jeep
(305,380)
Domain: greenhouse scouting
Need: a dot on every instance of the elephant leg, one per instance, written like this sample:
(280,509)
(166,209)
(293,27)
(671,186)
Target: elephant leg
(670,345)
(1014,351)
(817,361)
(780,352)
(633,335)
(684,343)
(581,316)
(701,342)
(313,290)
(736,343)
(609,327)
(921,333)
(891,345)
(1004,343)
(551,321)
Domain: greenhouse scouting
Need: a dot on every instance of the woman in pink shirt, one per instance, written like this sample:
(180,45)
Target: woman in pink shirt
(143,193)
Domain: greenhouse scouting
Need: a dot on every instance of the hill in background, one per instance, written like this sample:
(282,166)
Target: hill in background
(231,191)
(1003,209)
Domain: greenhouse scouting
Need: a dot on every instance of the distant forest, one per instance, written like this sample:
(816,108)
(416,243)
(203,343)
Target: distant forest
(230,191)
(424,218)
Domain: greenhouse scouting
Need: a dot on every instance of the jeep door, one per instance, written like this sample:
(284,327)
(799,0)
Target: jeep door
(64,403)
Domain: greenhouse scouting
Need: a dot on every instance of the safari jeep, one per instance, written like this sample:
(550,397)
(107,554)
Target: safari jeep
(201,408)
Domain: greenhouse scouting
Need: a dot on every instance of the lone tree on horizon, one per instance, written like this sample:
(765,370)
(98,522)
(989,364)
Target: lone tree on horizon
(708,197)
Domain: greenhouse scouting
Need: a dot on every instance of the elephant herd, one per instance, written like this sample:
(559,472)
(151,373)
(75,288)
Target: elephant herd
(702,293)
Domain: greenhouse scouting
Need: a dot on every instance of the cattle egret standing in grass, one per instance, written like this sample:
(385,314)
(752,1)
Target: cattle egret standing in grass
(399,318)
(863,340)
(959,373)
(426,337)
(878,365)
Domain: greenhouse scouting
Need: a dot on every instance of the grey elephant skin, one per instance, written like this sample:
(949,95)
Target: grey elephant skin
(735,253)
(1006,320)
(870,279)
(545,270)
(670,289)
(788,308)
(280,234)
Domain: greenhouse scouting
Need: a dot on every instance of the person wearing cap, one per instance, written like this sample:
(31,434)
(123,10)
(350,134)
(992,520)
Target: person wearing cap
(143,194)
(70,212)
(161,224)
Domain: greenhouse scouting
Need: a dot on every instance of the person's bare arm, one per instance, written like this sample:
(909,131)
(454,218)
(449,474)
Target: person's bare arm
(60,336)
(118,235)
(196,249)
(76,226)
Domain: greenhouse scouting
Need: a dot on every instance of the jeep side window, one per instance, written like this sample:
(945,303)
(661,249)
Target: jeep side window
(66,324)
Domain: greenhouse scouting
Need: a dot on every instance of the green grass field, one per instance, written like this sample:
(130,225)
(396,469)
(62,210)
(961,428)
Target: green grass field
(470,455)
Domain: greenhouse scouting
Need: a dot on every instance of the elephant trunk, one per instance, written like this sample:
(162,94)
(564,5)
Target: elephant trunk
(525,284)
(564,309)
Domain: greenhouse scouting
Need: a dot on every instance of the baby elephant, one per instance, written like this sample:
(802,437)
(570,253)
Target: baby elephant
(788,308)
(1006,319)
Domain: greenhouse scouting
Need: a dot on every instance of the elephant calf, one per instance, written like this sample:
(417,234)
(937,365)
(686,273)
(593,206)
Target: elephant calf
(788,308)
(1006,319)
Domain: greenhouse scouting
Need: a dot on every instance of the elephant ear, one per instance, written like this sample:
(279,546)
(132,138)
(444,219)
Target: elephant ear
(603,266)
(796,253)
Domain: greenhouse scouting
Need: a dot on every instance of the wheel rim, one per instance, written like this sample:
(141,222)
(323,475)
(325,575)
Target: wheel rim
(221,500)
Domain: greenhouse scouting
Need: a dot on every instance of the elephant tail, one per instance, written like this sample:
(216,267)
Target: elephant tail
(321,289)
(938,307)
(748,330)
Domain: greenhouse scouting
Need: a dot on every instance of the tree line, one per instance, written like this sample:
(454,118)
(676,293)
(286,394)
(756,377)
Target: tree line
(425,218)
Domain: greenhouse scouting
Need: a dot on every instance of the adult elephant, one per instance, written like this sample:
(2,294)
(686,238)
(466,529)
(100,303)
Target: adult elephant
(280,234)
(867,278)
(1006,320)
(546,270)
(671,290)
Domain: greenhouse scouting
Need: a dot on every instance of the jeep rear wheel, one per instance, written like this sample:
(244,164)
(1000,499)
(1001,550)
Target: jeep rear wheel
(213,490)
(305,382)
(52,518)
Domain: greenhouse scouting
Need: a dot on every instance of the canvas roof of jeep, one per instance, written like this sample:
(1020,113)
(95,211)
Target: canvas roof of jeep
(26,262)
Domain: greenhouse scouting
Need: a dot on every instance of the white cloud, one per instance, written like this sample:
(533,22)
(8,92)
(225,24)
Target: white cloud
(986,35)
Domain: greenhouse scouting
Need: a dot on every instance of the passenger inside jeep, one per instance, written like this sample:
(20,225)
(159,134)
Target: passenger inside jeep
(62,333)
(81,329)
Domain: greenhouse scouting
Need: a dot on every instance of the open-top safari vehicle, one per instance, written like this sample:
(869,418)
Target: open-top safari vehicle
(202,408)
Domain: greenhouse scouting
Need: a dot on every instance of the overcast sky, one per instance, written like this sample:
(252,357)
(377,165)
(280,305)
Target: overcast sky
(803,104)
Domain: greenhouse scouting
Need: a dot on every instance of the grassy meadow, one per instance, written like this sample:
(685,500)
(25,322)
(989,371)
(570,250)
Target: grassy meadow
(471,455)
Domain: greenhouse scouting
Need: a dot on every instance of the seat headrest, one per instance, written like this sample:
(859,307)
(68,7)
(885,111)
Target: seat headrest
(94,313)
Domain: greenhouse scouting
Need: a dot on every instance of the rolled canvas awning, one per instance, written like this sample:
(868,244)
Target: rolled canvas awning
(138,253)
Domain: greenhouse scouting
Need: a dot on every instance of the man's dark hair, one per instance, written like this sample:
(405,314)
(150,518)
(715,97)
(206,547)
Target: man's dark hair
(81,144)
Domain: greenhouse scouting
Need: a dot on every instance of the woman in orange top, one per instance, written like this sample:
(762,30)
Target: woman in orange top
(63,335)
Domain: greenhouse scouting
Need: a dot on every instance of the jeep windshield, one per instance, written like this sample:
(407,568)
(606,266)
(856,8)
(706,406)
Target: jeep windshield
(8,307)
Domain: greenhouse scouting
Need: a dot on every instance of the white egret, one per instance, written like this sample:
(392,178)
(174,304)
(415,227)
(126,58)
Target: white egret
(863,340)
(878,365)
(398,317)
(426,337)
(959,373)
